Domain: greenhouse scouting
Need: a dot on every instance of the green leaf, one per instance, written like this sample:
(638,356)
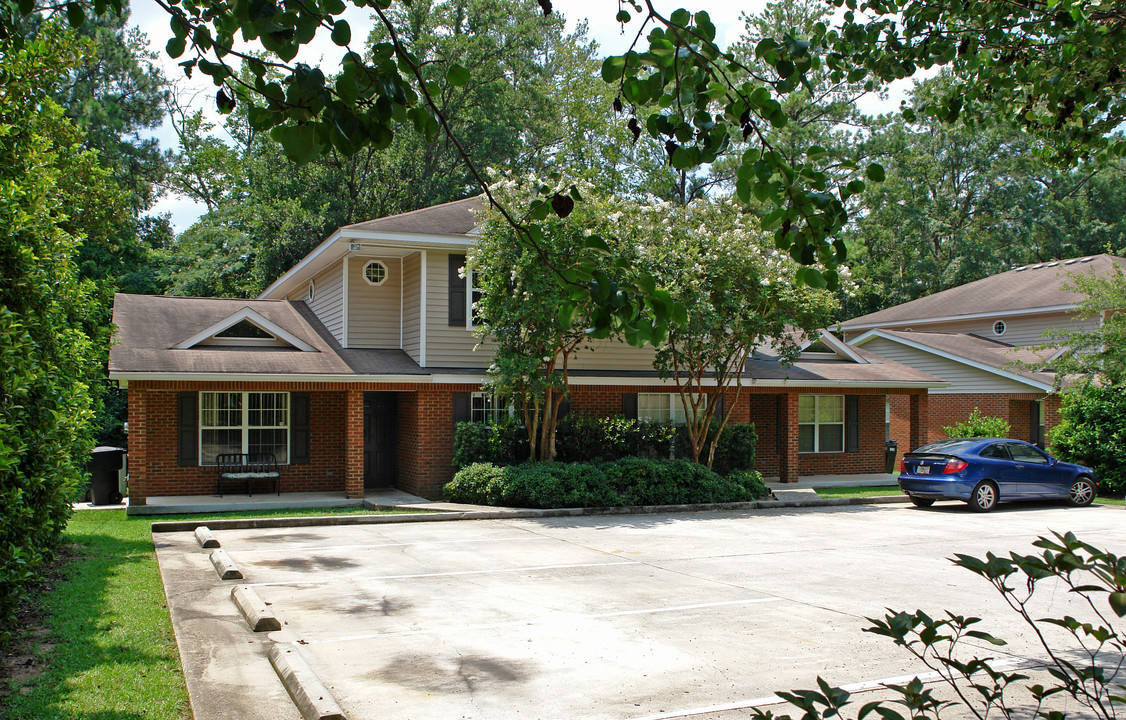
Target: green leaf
(613,68)
(300,142)
(341,32)
(1118,603)
(875,172)
(457,75)
(175,47)
(75,15)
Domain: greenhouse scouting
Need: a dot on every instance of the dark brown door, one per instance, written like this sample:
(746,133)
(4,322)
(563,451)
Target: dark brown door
(379,439)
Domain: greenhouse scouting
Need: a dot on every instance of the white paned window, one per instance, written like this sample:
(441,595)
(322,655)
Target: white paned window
(243,422)
(473,297)
(488,409)
(375,272)
(821,423)
(663,407)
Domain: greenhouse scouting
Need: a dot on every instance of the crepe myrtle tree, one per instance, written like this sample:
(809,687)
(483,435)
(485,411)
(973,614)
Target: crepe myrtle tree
(517,308)
(740,293)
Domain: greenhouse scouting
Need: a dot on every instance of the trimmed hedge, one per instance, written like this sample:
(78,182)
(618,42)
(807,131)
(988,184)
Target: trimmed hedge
(629,481)
(585,438)
(1092,431)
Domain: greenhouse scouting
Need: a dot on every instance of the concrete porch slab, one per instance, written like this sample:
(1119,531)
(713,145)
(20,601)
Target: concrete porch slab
(816,481)
(183,504)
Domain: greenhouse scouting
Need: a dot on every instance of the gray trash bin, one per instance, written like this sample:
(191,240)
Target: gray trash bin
(104,467)
(891,450)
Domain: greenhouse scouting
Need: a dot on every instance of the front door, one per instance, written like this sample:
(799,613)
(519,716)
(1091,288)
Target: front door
(379,439)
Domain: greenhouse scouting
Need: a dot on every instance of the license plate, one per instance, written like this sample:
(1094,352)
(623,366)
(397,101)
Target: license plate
(923,470)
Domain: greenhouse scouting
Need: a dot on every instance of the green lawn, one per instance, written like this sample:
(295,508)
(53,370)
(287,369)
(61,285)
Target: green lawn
(108,648)
(858,491)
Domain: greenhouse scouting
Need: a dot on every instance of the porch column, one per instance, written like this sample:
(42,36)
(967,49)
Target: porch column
(920,421)
(137,440)
(788,437)
(354,444)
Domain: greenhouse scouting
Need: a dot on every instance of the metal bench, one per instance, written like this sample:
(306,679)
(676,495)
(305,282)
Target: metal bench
(246,468)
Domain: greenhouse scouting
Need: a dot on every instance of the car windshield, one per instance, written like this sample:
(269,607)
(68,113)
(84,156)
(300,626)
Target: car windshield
(947,447)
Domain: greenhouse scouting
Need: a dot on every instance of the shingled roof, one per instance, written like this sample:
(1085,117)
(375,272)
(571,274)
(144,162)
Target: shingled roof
(459,217)
(149,328)
(1029,288)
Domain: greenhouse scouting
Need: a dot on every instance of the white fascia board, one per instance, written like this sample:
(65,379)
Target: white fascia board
(246,314)
(297,272)
(892,324)
(753,382)
(417,241)
(1046,387)
(841,348)
(125,377)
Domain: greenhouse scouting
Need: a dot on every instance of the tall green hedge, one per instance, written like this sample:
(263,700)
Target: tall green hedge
(48,361)
(1092,431)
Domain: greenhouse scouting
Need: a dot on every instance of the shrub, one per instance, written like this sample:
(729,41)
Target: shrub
(501,443)
(629,481)
(736,449)
(1092,431)
(586,438)
(977,425)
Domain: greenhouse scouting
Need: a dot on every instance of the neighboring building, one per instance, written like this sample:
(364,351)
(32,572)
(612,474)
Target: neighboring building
(354,366)
(981,338)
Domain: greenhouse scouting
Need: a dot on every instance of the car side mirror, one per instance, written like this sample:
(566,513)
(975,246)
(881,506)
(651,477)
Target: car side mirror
(1052,460)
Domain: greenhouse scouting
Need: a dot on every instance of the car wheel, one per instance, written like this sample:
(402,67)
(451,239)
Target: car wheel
(921,502)
(984,497)
(1082,492)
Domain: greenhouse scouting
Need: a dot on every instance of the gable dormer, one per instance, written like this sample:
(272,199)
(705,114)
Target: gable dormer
(246,329)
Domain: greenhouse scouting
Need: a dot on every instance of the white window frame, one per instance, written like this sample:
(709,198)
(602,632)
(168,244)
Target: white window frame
(244,425)
(491,408)
(471,289)
(312,292)
(817,424)
(380,263)
(676,414)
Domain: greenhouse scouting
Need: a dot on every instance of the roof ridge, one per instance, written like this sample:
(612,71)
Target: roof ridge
(416,210)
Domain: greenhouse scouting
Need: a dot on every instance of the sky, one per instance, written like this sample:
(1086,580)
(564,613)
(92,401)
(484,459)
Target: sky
(599,14)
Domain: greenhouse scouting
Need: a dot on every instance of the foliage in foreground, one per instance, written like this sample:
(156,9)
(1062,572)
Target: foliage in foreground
(630,481)
(1092,431)
(978,425)
(46,183)
(1084,671)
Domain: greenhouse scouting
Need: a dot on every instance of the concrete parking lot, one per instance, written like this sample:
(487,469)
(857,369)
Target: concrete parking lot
(616,617)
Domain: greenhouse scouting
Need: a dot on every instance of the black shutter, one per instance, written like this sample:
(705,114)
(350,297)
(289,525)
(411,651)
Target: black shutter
(564,407)
(188,428)
(1034,424)
(852,423)
(457,292)
(779,424)
(629,405)
(299,429)
(720,408)
(461,408)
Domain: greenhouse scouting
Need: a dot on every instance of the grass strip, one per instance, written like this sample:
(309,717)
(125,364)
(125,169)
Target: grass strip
(108,649)
(858,491)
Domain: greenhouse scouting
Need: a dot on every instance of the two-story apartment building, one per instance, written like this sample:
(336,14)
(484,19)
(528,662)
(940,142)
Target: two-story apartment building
(354,366)
(982,339)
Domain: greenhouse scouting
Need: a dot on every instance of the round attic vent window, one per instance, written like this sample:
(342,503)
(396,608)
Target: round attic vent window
(999,327)
(375,273)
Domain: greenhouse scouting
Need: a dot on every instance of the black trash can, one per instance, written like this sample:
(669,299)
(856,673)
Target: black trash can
(104,466)
(890,451)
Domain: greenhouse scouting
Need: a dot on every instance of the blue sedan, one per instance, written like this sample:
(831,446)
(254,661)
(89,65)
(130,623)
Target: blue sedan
(985,471)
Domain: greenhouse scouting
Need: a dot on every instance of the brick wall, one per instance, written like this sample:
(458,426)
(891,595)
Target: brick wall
(947,409)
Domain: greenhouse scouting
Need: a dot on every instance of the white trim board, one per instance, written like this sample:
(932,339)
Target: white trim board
(892,324)
(250,315)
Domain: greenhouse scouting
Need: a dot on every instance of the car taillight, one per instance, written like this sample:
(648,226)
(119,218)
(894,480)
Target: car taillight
(902,465)
(954,465)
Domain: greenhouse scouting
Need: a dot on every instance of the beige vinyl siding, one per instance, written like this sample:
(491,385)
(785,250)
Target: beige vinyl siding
(613,355)
(412,305)
(447,346)
(328,300)
(1019,330)
(962,378)
(374,312)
